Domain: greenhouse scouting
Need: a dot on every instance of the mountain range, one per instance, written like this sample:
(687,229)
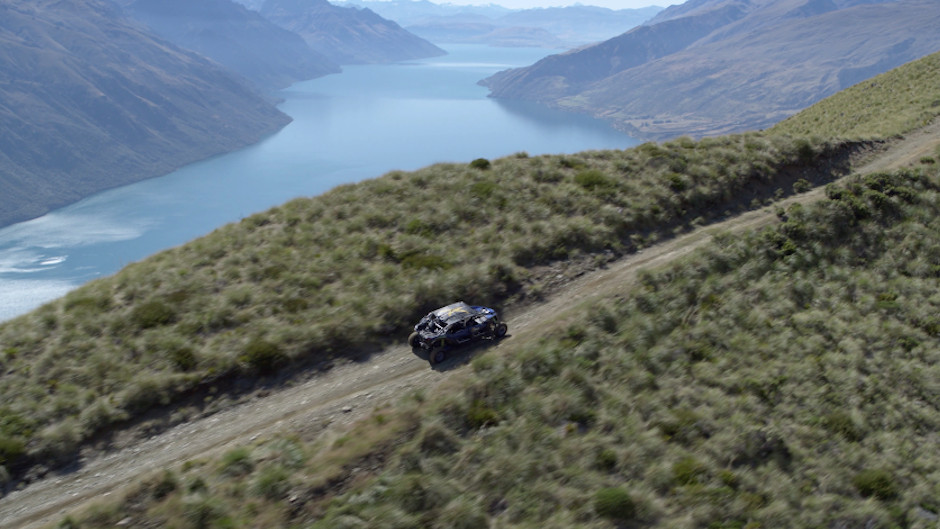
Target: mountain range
(709,67)
(348,35)
(236,37)
(553,27)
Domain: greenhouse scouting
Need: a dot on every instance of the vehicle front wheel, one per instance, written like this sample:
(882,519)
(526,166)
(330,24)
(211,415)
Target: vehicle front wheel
(414,340)
(501,330)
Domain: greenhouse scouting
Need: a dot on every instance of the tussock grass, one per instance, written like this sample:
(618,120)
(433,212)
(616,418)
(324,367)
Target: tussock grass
(786,378)
(317,280)
(893,103)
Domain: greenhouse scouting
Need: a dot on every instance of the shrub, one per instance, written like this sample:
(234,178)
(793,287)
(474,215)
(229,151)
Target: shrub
(437,439)
(264,356)
(875,482)
(294,305)
(606,460)
(11,449)
(802,186)
(273,482)
(237,462)
(841,423)
(183,358)
(417,493)
(165,485)
(68,523)
(594,180)
(152,314)
(480,415)
(615,503)
(805,152)
(203,513)
(687,471)
(481,164)
(422,261)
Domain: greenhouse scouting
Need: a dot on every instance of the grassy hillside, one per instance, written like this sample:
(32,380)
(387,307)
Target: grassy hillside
(788,378)
(892,103)
(330,277)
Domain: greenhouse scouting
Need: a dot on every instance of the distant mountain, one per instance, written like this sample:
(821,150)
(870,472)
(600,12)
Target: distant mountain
(239,39)
(717,66)
(410,12)
(348,35)
(556,27)
(90,100)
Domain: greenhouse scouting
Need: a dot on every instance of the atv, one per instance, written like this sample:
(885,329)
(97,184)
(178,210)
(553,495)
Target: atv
(455,324)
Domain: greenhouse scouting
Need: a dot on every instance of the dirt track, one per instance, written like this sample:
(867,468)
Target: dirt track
(351,391)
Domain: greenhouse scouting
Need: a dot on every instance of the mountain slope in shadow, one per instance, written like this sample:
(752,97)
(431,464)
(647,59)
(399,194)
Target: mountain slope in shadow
(90,100)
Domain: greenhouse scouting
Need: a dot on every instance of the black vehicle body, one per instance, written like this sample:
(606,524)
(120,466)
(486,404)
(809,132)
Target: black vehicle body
(455,324)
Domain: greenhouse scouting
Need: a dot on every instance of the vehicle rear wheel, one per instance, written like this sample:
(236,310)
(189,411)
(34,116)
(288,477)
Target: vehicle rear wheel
(437,355)
(501,329)
(413,340)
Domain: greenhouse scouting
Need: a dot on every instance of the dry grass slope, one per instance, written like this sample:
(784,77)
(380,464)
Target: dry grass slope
(787,378)
(321,279)
(784,379)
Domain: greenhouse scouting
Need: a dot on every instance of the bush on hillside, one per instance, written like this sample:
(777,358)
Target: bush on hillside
(615,503)
(878,483)
(263,356)
(152,314)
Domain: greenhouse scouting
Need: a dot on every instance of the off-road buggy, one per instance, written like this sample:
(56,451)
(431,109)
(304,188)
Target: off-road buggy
(457,323)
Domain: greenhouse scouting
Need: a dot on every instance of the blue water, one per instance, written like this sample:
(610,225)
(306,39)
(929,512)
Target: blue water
(348,127)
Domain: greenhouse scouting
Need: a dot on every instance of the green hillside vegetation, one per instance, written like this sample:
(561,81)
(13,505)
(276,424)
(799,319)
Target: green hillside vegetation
(887,105)
(787,378)
(330,277)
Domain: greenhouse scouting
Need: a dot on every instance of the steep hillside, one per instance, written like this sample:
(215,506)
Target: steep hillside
(235,37)
(348,35)
(322,279)
(719,66)
(781,377)
(560,76)
(90,101)
(783,374)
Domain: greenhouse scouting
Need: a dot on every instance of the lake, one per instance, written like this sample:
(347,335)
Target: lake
(348,127)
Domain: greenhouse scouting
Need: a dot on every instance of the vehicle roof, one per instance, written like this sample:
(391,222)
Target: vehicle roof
(454,312)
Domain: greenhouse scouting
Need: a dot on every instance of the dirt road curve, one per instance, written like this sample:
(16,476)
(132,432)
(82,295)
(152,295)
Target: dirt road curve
(348,392)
